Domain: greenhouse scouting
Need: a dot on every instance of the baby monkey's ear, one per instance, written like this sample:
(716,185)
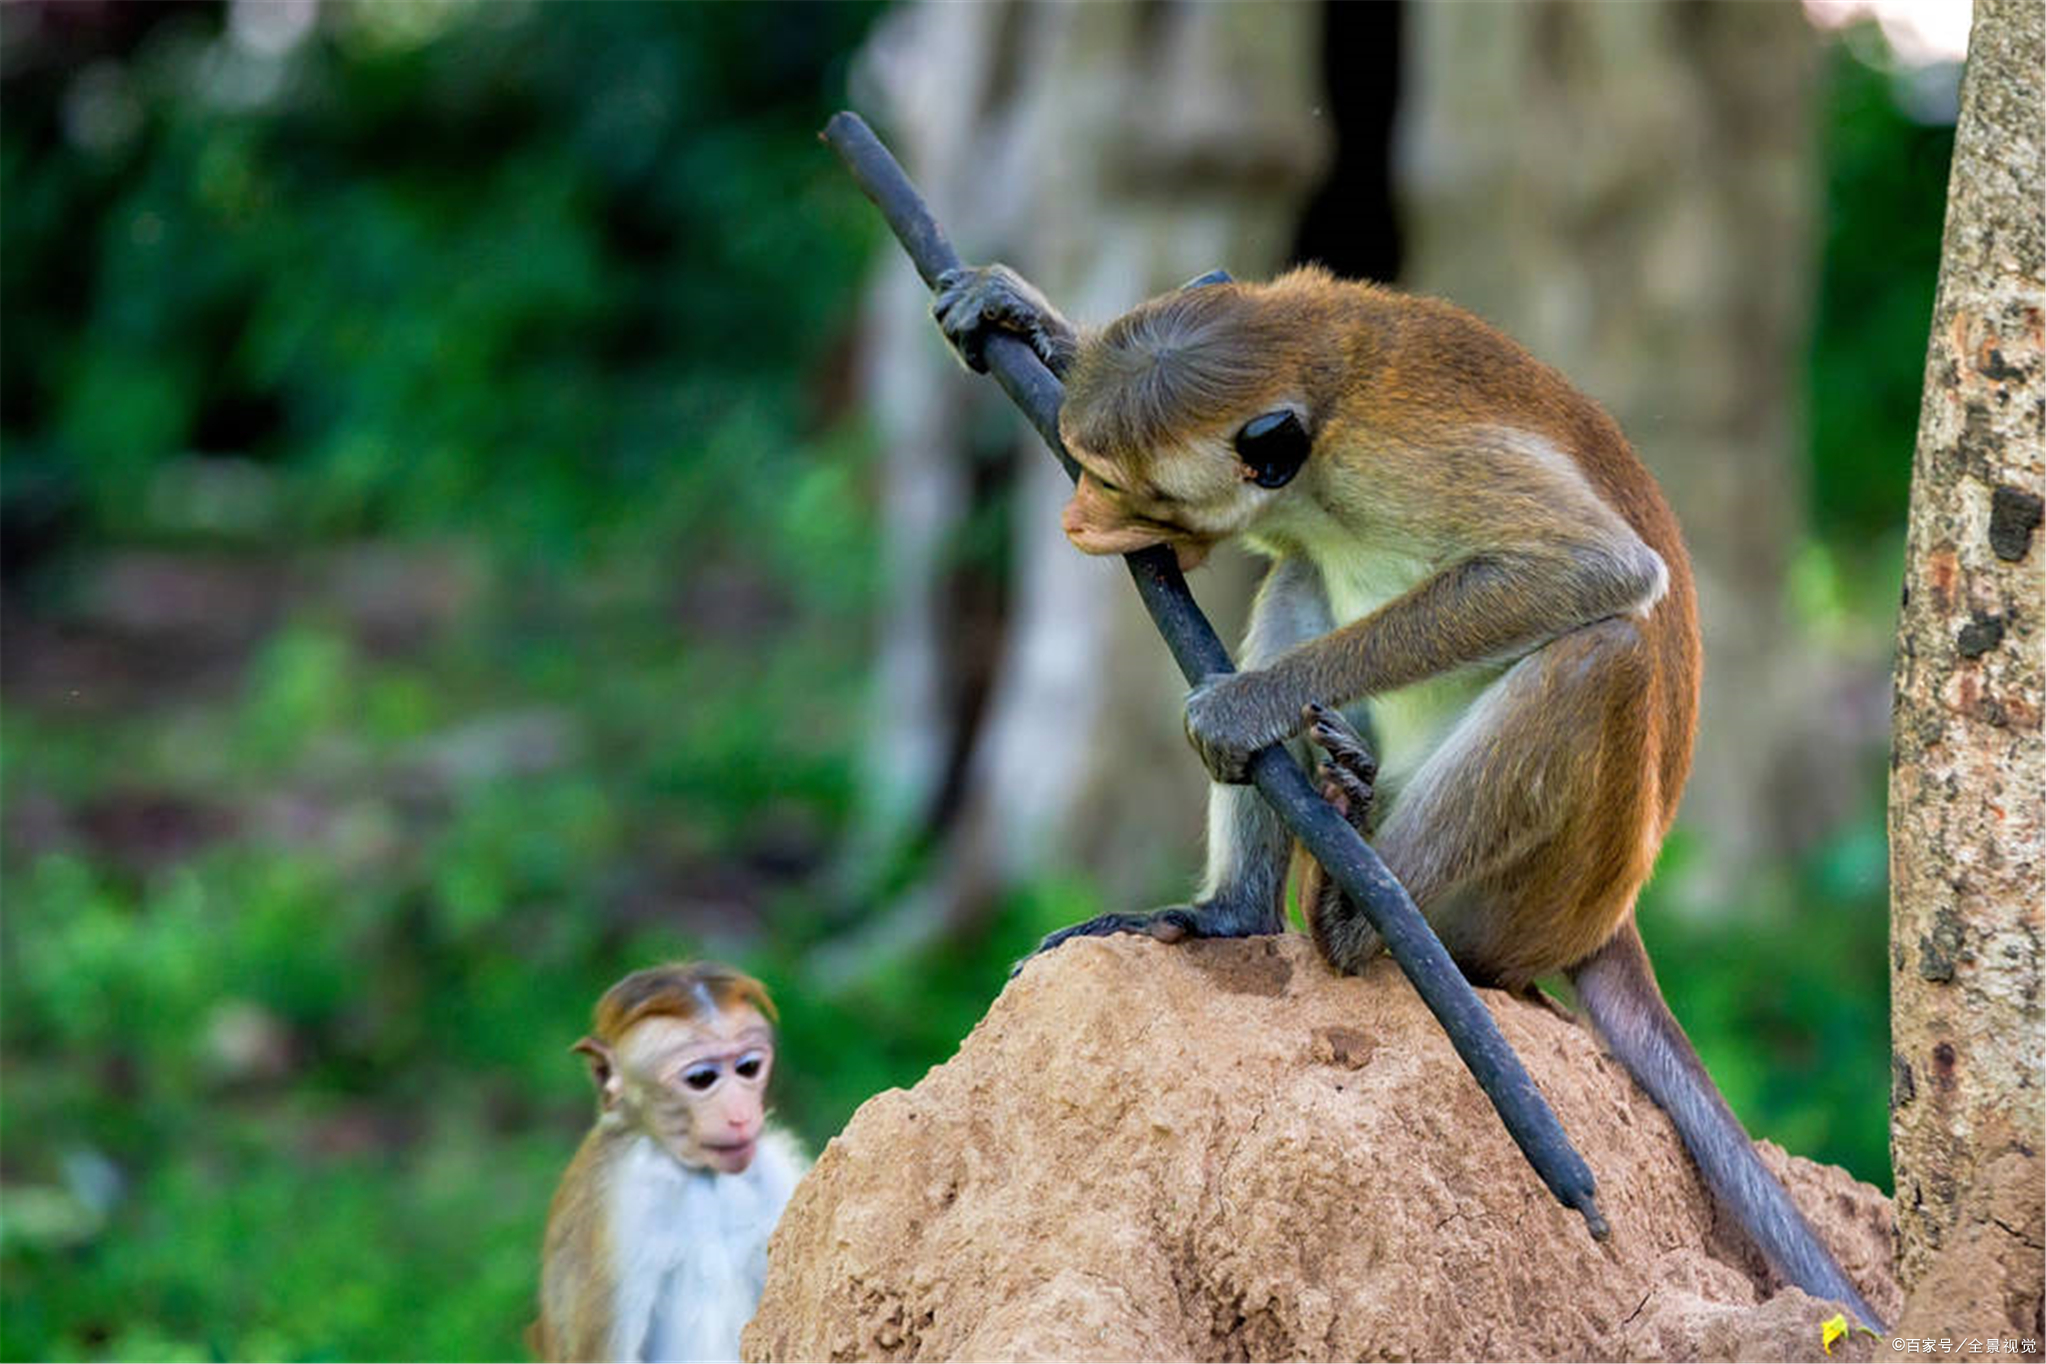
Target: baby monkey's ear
(603,1069)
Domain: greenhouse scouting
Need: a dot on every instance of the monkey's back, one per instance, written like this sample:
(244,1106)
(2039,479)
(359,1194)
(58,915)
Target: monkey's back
(1430,356)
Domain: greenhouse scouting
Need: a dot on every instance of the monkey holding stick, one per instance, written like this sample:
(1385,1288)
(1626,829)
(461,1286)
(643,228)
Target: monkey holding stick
(1463,541)
(656,1245)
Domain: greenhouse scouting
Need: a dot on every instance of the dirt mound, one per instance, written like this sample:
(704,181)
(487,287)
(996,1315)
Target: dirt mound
(1220,1151)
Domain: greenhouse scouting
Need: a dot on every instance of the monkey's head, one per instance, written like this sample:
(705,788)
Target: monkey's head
(1190,417)
(682,1053)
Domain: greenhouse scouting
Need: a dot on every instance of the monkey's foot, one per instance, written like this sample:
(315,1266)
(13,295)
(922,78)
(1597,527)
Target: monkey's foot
(1347,778)
(973,301)
(1348,775)
(1175,923)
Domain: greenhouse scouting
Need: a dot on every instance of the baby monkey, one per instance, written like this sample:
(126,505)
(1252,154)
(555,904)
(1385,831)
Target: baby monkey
(1467,545)
(656,1244)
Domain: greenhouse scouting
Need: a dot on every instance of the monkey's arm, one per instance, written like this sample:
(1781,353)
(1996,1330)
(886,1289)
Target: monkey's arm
(974,300)
(1489,607)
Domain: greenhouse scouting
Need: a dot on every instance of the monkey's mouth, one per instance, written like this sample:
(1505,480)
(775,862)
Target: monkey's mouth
(1127,536)
(732,1157)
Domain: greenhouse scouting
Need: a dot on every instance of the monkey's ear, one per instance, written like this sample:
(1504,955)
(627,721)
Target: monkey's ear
(603,1069)
(1215,276)
(1272,448)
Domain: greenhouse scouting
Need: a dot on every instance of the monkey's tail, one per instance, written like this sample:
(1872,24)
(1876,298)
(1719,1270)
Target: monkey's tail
(1617,987)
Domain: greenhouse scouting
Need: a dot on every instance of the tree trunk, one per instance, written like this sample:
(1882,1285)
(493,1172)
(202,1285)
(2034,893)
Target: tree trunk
(1629,190)
(1109,152)
(1968,779)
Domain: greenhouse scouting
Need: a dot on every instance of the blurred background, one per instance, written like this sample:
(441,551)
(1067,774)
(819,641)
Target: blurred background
(484,509)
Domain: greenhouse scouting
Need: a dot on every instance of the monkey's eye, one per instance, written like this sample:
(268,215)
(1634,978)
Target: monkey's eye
(750,1066)
(700,1078)
(1272,448)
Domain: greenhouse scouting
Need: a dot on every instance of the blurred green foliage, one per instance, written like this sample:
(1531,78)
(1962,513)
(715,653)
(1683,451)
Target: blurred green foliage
(519,312)
(1786,996)
(432,504)
(1884,208)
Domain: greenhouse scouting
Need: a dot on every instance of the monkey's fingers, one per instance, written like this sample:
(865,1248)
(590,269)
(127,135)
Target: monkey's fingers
(1229,717)
(973,301)
(960,314)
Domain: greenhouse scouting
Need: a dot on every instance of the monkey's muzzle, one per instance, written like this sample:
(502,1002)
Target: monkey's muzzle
(1097,523)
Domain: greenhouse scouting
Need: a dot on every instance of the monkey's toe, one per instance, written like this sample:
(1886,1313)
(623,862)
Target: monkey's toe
(1351,794)
(1333,733)
(1349,774)
(1332,791)
(1175,923)
(1166,925)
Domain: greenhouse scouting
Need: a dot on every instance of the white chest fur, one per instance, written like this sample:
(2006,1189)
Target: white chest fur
(691,1249)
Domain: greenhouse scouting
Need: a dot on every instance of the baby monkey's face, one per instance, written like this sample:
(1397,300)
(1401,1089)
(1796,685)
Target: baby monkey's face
(698,1087)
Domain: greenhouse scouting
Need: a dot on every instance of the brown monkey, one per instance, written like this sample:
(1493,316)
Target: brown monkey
(1465,542)
(656,1242)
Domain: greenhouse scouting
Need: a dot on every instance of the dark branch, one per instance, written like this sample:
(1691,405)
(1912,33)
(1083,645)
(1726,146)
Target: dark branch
(1346,858)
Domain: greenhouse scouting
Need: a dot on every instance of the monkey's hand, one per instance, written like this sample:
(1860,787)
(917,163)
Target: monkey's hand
(1230,716)
(973,301)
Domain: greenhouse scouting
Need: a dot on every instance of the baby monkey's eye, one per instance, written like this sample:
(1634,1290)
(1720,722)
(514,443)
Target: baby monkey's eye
(700,1078)
(1272,448)
(749,1066)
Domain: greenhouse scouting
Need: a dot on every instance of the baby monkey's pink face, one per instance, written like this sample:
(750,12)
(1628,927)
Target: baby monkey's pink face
(698,1086)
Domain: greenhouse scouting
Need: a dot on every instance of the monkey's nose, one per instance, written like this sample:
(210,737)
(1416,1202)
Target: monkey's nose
(1097,526)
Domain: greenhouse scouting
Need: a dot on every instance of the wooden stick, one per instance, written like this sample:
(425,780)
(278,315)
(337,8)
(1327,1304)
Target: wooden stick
(1349,862)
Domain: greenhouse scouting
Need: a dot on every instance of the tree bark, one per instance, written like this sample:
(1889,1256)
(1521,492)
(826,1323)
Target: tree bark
(1968,778)
(1630,191)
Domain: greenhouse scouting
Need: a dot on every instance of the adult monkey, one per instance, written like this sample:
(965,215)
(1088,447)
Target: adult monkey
(656,1245)
(1465,541)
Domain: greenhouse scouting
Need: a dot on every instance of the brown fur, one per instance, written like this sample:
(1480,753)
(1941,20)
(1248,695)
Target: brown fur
(1554,825)
(1547,605)
(1443,456)
(685,990)
(575,1317)
(1177,364)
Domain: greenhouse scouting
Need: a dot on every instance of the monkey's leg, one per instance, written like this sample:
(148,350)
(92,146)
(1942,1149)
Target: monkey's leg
(1347,777)
(1525,834)
(1524,838)
(1243,890)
